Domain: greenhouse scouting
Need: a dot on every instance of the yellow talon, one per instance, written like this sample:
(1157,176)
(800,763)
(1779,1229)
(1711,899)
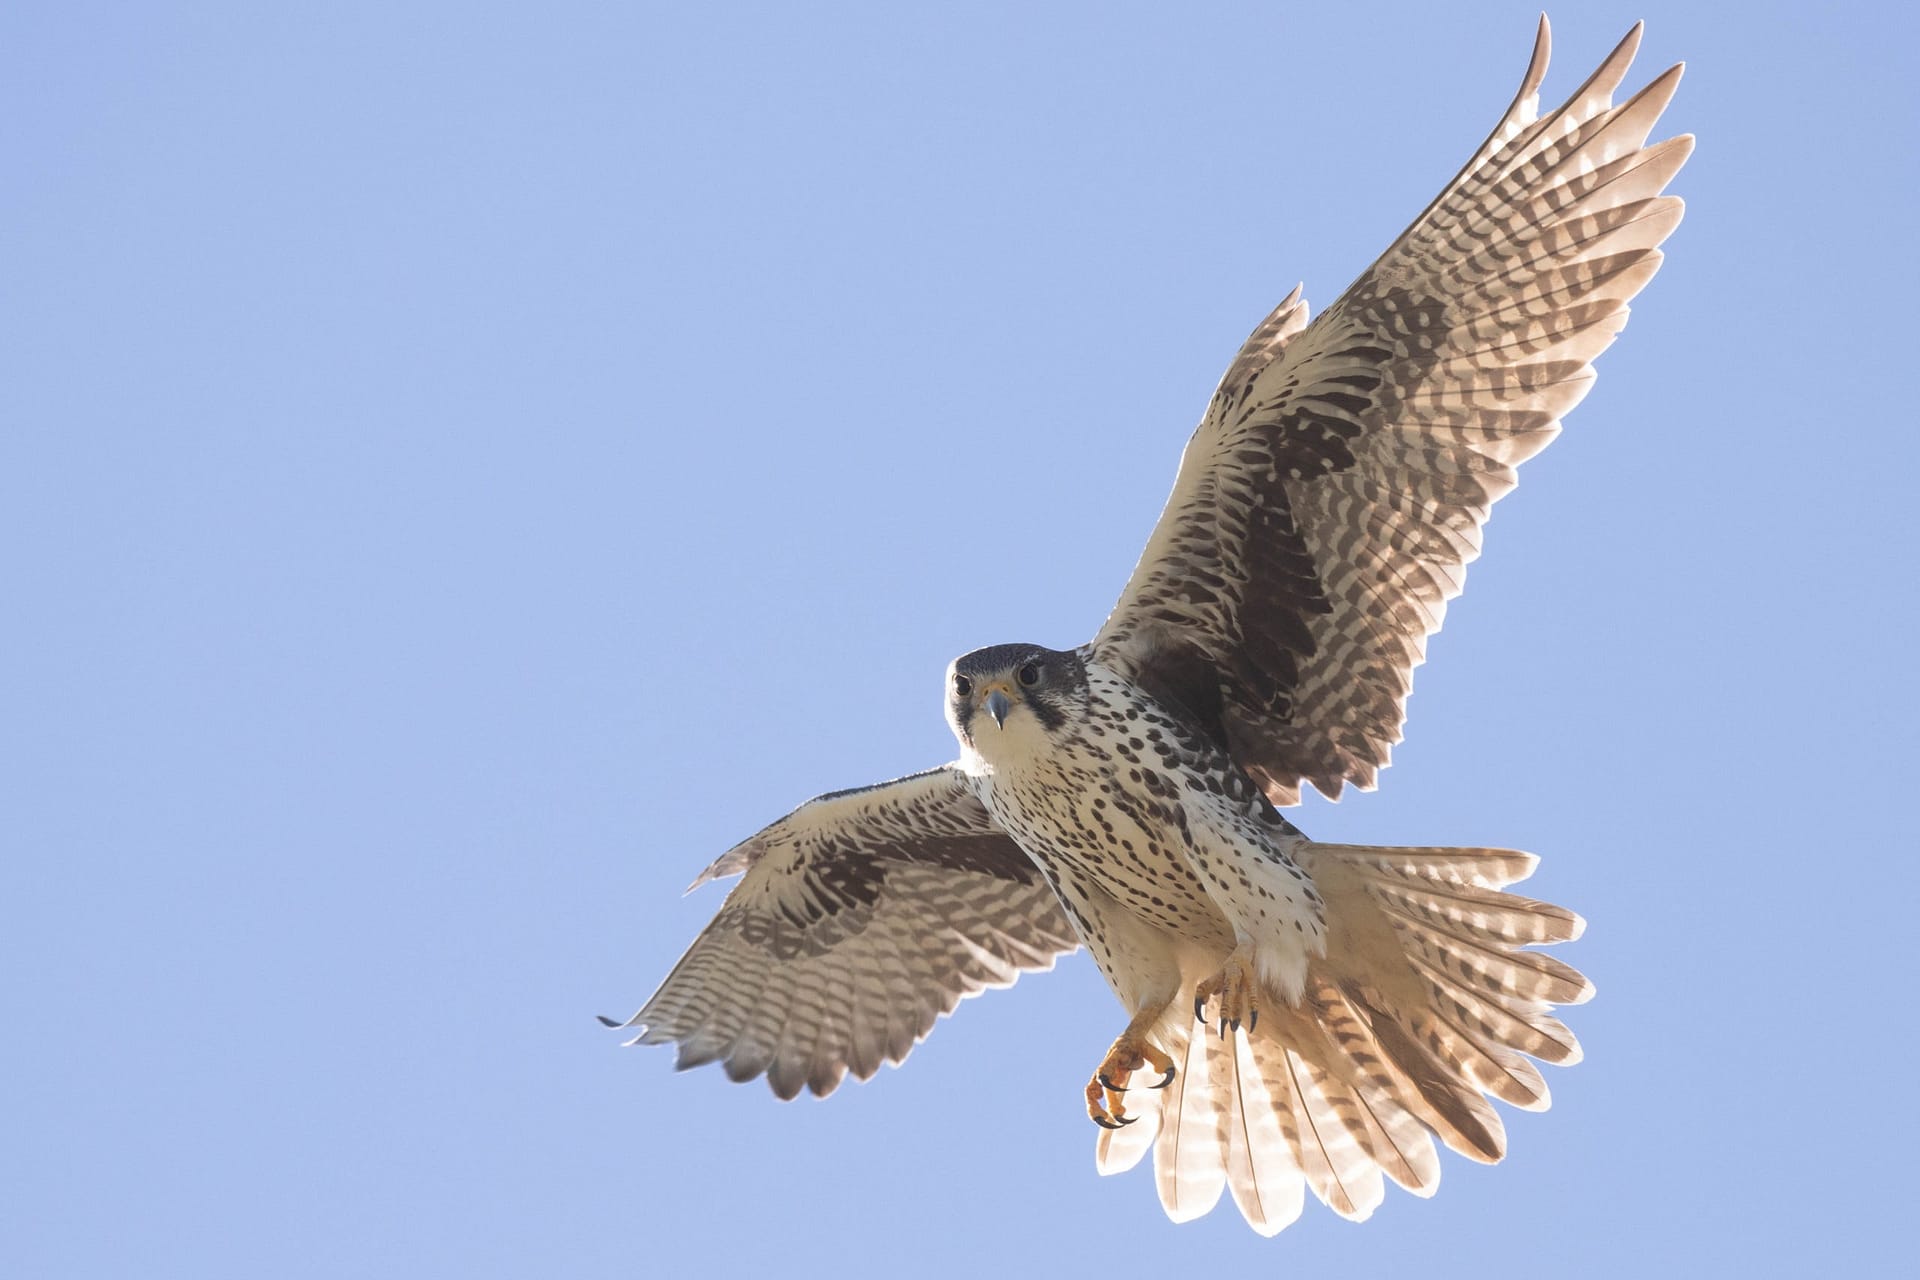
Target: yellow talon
(1130,1053)
(1236,988)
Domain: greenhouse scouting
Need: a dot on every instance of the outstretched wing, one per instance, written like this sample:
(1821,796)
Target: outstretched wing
(862,917)
(1332,496)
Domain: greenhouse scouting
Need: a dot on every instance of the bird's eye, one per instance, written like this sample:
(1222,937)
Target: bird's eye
(962,686)
(1030,674)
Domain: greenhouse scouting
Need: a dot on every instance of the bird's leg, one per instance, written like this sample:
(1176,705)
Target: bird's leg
(1235,986)
(1129,1053)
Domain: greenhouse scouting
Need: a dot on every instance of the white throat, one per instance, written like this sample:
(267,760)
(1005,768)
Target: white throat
(1006,748)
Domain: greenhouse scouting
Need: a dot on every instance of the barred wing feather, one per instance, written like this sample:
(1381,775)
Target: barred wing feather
(860,919)
(1334,492)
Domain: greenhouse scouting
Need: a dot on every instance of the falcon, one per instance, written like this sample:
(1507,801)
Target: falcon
(1298,1016)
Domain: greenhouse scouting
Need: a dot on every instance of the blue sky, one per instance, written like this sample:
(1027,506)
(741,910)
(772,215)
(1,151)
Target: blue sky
(465,466)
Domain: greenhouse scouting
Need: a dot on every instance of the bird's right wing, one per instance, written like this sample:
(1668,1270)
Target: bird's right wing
(1328,504)
(862,917)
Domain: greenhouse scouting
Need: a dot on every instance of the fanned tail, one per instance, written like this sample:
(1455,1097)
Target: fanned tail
(1440,998)
(1426,1002)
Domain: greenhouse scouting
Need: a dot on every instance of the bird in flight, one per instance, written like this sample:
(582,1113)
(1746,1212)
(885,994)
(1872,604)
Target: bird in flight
(1298,1016)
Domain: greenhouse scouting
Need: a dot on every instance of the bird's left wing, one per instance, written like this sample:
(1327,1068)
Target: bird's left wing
(862,917)
(1333,494)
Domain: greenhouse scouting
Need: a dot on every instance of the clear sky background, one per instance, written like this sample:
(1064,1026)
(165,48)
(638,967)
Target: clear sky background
(464,466)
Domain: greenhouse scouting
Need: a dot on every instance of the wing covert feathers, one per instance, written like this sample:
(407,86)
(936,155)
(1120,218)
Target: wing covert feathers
(1329,502)
(1426,1003)
(861,918)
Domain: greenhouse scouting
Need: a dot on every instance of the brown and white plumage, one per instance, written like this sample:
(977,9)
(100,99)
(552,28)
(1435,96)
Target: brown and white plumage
(1329,502)
(1122,794)
(861,918)
(1422,1005)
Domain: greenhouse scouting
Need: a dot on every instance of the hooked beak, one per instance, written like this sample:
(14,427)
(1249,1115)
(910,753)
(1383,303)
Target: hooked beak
(997,706)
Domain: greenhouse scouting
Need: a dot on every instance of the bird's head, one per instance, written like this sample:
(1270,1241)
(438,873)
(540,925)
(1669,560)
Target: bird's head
(1009,698)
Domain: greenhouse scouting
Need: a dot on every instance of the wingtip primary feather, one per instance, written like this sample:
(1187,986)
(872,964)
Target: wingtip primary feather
(1613,69)
(1536,65)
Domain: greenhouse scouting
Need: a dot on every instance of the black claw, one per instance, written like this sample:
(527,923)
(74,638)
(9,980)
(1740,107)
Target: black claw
(1106,1123)
(1199,1008)
(1253,1021)
(1223,1026)
(1165,1080)
(1110,1085)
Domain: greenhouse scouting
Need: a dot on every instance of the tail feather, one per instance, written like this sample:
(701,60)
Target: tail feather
(1498,970)
(1119,1150)
(1261,1168)
(1486,915)
(1334,1163)
(1190,1150)
(1485,868)
(1455,1110)
(1515,1024)
(1382,1125)
(1425,1002)
(1566,1046)
(1488,1067)
(1388,1133)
